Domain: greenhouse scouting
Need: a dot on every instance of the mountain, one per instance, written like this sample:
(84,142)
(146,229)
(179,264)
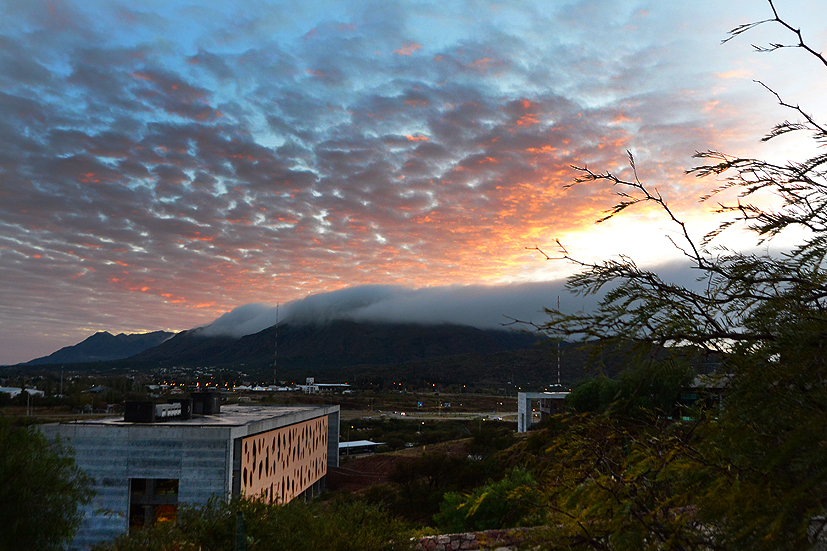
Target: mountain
(332,345)
(373,353)
(104,346)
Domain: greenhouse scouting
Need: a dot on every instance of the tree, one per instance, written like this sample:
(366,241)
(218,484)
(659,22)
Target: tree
(753,476)
(41,490)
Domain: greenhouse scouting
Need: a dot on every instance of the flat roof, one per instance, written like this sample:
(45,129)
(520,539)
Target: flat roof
(359,444)
(231,415)
(547,395)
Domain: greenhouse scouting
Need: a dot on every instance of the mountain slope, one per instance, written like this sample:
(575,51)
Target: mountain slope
(104,346)
(334,344)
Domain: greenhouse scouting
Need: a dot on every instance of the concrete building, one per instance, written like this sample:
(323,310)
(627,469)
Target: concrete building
(142,471)
(14,392)
(358,447)
(547,403)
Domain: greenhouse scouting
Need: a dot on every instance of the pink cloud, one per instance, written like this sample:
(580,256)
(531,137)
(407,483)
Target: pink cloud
(408,48)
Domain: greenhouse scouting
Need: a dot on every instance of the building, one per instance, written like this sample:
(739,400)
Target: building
(358,447)
(548,403)
(160,456)
(14,392)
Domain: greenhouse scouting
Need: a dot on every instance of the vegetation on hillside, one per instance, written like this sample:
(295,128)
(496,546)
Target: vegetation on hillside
(257,526)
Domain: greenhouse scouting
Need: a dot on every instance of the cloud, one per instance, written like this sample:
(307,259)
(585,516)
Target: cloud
(243,320)
(408,48)
(476,305)
(163,159)
(519,305)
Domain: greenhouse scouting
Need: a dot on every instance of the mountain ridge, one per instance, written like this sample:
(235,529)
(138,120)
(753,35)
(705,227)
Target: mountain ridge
(334,344)
(104,346)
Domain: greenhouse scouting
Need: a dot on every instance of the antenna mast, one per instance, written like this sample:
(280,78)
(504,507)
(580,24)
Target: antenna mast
(558,349)
(276,355)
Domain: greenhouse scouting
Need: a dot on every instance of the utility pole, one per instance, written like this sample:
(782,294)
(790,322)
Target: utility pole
(276,356)
(558,349)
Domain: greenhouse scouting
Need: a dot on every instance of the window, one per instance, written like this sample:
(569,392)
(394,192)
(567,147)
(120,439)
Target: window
(152,500)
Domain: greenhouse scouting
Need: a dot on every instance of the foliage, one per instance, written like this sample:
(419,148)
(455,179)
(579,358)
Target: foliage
(297,526)
(641,389)
(41,490)
(766,455)
(513,501)
(754,475)
(619,483)
(419,486)
(593,395)
(490,437)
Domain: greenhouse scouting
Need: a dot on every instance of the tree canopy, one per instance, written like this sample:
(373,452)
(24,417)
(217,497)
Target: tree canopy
(41,490)
(752,475)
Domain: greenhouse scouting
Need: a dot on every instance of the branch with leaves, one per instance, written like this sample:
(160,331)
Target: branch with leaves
(733,287)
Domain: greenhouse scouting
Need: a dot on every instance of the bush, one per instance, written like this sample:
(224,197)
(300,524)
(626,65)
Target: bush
(298,526)
(508,503)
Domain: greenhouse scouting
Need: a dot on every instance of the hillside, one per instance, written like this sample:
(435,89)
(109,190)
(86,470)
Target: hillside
(104,346)
(332,345)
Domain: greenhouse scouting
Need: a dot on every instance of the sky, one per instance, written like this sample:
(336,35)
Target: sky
(163,163)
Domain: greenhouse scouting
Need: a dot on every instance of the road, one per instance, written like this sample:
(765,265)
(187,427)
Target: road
(429,416)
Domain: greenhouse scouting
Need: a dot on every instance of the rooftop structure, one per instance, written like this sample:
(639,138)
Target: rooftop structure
(13,392)
(142,471)
(548,403)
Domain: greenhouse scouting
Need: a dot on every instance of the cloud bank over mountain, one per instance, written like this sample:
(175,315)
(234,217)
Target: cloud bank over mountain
(481,306)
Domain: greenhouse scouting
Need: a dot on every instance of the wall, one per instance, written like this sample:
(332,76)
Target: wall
(282,463)
(112,455)
(499,540)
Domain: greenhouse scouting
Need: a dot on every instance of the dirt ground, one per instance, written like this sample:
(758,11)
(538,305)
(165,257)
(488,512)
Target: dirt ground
(358,473)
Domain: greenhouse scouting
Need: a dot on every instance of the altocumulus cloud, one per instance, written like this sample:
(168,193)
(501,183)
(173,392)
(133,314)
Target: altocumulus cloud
(161,162)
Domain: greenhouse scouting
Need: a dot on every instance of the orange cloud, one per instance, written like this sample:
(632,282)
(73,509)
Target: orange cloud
(482,64)
(737,73)
(528,119)
(142,76)
(408,48)
(545,149)
(621,118)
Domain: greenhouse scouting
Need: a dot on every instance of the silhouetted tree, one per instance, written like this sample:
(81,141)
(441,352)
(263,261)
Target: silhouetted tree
(41,490)
(753,476)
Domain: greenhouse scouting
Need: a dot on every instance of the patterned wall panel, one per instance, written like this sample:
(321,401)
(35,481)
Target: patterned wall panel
(282,463)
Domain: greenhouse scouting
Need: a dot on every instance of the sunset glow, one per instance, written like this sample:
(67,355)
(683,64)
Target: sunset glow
(165,162)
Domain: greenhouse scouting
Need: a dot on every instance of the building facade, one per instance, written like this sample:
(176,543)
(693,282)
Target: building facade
(142,471)
(547,403)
